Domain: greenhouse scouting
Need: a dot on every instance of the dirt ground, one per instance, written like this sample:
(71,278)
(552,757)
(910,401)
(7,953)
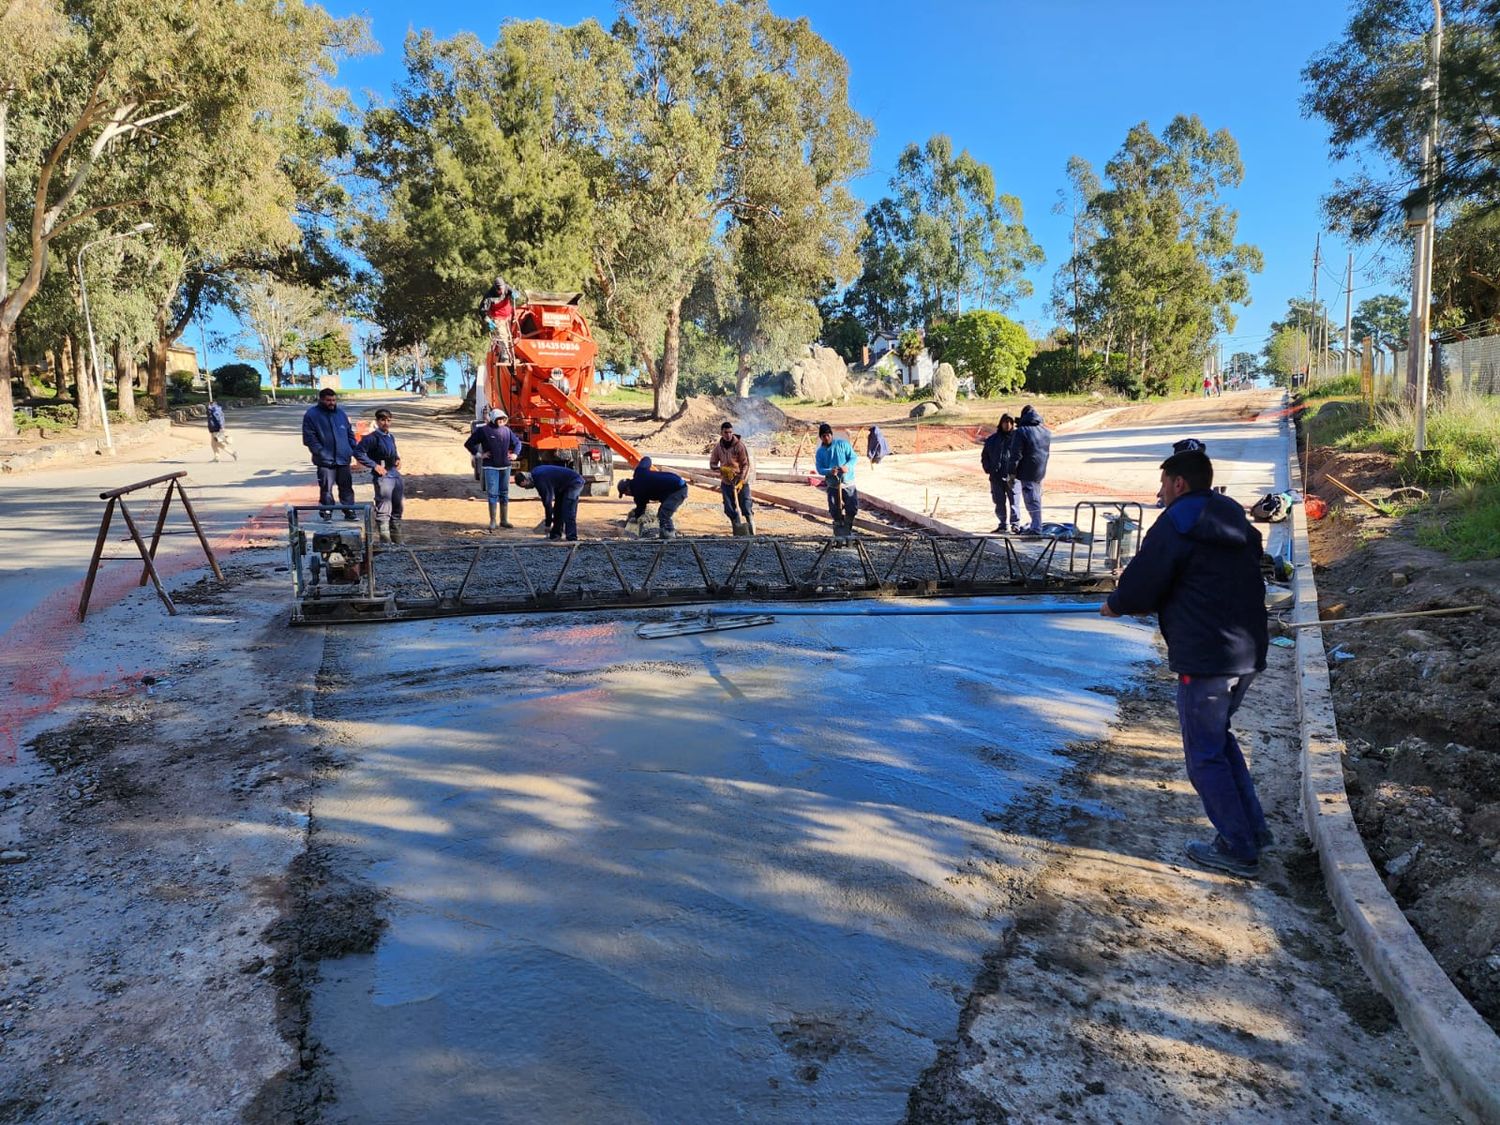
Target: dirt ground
(1135,988)
(1418,704)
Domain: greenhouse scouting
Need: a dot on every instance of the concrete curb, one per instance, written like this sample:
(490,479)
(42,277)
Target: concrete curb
(1458,1048)
(136,433)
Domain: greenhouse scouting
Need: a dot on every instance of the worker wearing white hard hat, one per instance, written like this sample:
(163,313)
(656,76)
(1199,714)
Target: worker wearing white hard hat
(496,445)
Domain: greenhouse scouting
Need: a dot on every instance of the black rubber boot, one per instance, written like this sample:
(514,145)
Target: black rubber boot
(505,514)
(395,530)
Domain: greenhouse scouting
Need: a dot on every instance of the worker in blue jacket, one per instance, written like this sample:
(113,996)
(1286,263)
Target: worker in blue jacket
(1198,570)
(558,487)
(647,484)
(377,449)
(1033,448)
(998,459)
(835,460)
(496,445)
(330,439)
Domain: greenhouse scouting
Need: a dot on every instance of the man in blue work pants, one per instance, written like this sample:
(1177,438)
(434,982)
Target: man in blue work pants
(558,487)
(1198,570)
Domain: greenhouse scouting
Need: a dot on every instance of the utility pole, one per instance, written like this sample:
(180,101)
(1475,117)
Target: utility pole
(1348,306)
(1423,216)
(1313,318)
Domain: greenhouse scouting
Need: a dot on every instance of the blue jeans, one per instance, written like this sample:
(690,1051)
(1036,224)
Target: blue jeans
(843,503)
(1031,492)
(669,506)
(497,482)
(739,496)
(1006,494)
(1215,766)
(560,510)
(390,495)
(329,478)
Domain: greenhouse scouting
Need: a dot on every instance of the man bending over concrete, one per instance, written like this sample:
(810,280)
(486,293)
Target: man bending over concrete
(1198,569)
(648,484)
(558,487)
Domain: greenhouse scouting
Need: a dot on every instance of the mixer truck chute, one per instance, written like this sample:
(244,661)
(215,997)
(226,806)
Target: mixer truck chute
(543,380)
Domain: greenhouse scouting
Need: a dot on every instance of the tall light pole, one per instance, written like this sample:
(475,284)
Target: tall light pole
(88,320)
(1422,215)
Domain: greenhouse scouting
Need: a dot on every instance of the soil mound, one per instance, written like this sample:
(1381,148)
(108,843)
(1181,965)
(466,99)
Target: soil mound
(696,426)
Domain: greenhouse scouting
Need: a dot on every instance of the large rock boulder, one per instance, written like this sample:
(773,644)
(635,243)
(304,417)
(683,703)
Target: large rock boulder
(945,386)
(819,375)
(925,409)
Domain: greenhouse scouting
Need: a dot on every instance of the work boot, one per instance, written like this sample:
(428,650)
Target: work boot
(749,525)
(383,529)
(505,514)
(666,533)
(739,529)
(493,523)
(396,530)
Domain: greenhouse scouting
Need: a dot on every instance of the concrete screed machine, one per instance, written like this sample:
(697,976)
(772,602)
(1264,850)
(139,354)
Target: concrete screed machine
(539,370)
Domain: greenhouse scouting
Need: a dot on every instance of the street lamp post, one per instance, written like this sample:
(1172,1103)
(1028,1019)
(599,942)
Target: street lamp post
(88,320)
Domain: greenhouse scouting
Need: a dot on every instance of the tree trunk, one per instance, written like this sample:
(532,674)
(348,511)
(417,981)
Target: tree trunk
(65,369)
(742,375)
(125,380)
(671,350)
(28,382)
(7,405)
(156,371)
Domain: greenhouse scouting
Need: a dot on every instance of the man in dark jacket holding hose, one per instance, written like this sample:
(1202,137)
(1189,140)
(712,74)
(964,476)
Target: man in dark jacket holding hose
(1198,570)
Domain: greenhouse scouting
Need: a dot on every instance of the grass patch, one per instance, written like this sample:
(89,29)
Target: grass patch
(1466,525)
(1339,386)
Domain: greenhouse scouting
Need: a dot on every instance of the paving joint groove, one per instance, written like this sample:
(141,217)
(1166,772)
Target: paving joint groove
(1458,1048)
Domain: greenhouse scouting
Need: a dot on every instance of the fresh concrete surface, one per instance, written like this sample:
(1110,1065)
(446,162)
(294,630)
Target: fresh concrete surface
(737,876)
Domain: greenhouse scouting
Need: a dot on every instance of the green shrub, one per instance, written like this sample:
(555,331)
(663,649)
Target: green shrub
(236,380)
(1339,385)
(182,383)
(1468,528)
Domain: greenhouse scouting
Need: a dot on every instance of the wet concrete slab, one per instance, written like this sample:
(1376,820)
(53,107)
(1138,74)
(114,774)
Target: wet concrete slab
(729,876)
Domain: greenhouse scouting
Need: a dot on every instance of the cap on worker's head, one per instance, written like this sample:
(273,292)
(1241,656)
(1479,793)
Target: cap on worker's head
(625,487)
(498,415)
(1189,445)
(824,428)
(500,281)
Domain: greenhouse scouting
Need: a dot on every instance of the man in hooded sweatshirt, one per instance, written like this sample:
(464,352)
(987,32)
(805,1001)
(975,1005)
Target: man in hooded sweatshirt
(1198,570)
(648,484)
(1033,447)
(998,460)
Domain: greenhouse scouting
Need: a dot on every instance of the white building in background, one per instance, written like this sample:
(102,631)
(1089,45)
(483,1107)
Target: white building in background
(884,361)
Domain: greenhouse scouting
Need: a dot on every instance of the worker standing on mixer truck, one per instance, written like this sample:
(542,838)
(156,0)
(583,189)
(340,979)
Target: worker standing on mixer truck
(496,308)
(500,446)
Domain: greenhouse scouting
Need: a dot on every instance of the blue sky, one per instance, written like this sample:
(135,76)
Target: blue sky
(1025,86)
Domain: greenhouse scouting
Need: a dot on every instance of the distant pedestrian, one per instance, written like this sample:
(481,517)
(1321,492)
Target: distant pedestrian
(497,446)
(1198,570)
(1033,448)
(647,484)
(877,449)
(558,487)
(1208,386)
(730,458)
(330,439)
(835,461)
(218,435)
(377,451)
(998,459)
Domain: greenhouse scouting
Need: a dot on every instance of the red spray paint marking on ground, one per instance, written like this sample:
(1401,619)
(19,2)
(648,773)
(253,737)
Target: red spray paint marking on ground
(34,652)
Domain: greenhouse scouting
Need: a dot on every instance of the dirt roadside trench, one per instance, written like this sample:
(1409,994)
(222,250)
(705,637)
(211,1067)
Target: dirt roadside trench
(146,967)
(1418,706)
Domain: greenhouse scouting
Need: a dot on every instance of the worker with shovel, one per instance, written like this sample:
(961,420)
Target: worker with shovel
(835,461)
